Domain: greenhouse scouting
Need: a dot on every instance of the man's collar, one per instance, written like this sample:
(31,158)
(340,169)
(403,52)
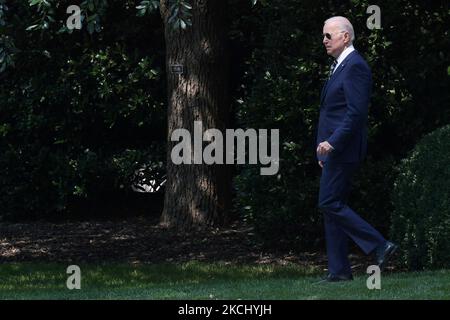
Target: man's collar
(345,53)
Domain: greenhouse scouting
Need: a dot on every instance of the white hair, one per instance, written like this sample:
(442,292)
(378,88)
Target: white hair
(344,24)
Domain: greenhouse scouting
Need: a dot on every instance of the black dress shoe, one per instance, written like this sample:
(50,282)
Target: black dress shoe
(336,278)
(384,253)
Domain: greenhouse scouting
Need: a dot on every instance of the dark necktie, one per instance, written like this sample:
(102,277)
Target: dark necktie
(333,66)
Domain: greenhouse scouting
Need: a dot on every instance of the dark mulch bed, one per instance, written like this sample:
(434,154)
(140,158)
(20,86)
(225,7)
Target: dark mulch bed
(138,240)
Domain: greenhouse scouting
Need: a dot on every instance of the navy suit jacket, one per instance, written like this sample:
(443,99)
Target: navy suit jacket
(344,104)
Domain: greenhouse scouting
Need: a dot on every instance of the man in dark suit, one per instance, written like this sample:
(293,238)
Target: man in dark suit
(341,146)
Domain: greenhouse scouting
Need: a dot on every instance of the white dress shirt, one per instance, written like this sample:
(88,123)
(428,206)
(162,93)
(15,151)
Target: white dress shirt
(343,55)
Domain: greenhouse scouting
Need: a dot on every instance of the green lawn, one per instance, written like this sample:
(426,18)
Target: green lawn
(197,280)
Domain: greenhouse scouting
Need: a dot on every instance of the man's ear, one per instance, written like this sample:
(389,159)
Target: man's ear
(347,37)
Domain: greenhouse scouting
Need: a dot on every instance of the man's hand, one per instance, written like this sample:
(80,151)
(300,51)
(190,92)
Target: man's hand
(324,148)
(321,163)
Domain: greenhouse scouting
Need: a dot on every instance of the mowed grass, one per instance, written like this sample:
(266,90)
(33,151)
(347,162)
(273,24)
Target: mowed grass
(196,280)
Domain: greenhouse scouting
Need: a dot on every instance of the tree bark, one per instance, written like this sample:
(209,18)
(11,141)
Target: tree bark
(197,195)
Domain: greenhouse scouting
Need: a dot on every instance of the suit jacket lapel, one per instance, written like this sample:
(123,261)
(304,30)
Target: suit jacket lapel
(334,76)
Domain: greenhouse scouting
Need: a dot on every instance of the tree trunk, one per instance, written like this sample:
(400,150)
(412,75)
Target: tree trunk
(197,195)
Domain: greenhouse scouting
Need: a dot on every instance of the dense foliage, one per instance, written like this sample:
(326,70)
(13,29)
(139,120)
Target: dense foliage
(421,220)
(80,112)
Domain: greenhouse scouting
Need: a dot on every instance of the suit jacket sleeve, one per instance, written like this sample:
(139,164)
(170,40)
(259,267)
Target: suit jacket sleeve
(357,89)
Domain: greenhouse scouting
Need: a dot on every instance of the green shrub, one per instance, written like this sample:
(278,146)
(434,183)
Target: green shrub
(59,147)
(421,218)
(80,113)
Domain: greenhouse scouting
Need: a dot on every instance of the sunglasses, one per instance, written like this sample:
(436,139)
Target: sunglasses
(328,35)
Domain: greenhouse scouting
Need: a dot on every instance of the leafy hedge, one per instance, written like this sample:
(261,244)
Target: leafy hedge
(421,220)
(80,113)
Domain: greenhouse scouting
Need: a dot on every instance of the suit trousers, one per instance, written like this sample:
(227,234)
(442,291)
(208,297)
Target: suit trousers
(341,222)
